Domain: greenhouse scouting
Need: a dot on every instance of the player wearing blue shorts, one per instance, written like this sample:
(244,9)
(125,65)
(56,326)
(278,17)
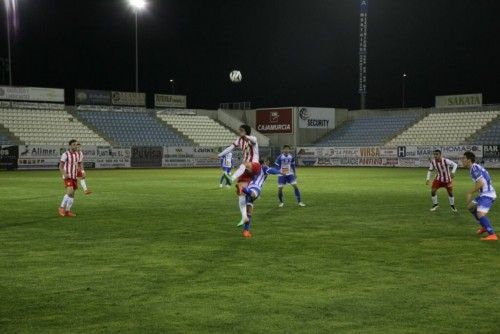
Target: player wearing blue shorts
(286,164)
(481,205)
(226,163)
(253,192)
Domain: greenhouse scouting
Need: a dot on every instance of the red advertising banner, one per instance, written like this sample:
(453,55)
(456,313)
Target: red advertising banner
(275,120)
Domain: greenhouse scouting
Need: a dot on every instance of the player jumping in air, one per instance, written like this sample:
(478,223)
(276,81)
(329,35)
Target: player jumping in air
(226,163)
(80,171)
(68,168)
(253,192)
(443,179)
(487,195)
(286,163)
(249,167)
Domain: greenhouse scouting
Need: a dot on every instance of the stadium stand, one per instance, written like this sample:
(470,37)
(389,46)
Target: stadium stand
(47,127)
(202,130)
(488,135)
(369,131)
(125,129)
(445,128)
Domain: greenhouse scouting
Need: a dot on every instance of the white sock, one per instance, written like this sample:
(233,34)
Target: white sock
(69,203)
(239,172)
(243,207)
(64,201)
(83,184)
(452,200)
(434,200)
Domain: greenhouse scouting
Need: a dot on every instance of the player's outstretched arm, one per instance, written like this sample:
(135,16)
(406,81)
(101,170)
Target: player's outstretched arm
(273,171)
(226,151)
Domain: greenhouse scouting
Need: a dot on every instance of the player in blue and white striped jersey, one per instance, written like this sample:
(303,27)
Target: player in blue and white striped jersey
(286,164)
(480,206)
(226,163)
(253,192)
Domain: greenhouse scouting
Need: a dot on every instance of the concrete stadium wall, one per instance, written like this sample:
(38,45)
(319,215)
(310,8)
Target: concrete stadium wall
(299,136)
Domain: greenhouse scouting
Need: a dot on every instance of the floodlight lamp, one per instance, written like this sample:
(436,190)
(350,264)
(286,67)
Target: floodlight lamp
(137,4)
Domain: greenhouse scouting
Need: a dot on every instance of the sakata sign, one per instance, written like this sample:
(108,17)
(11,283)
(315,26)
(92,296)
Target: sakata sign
(463,100)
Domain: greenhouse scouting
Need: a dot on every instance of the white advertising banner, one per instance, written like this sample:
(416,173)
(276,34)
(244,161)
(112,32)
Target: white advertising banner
(48,157)
(128,99)
(316,118)
(170,101)
(110,157)
(454,152)
(190,157)
(36,94)
(463,100)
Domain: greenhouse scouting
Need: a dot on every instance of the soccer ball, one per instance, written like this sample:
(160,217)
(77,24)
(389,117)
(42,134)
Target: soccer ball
(235,76)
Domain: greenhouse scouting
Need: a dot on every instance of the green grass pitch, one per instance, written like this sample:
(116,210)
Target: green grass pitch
(157,251)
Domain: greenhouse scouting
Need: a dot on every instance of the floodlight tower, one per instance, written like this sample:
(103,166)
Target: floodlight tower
(137,6)
(9,7)
(363,51)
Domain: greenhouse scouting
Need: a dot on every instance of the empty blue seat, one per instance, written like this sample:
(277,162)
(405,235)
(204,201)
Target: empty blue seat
(133,128)
(370,131)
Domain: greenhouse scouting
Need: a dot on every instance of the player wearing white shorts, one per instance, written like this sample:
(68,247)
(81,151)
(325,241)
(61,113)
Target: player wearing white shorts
(286,164)
(80,173)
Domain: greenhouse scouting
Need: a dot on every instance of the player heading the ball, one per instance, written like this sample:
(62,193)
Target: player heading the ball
(248,145)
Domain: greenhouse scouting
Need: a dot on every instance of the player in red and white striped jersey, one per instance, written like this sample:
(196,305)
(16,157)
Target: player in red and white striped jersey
(443,179)
(68,166)
(249,167)
(80,173)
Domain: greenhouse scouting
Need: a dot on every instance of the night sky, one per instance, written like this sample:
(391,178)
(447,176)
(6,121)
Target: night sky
(290,52)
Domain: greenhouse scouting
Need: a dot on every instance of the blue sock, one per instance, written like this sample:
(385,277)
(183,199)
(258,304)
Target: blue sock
(485,222)
(246,226)
(297,194)
(222,180)
(280,195)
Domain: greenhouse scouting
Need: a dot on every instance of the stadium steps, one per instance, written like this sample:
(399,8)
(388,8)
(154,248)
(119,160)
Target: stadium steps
(367,131)
(445,128)
(487,135)
(174,130)
(47,127)
(232,123)
(389,139)
(93,128)
(133,128)
(8,138)
(201,130)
